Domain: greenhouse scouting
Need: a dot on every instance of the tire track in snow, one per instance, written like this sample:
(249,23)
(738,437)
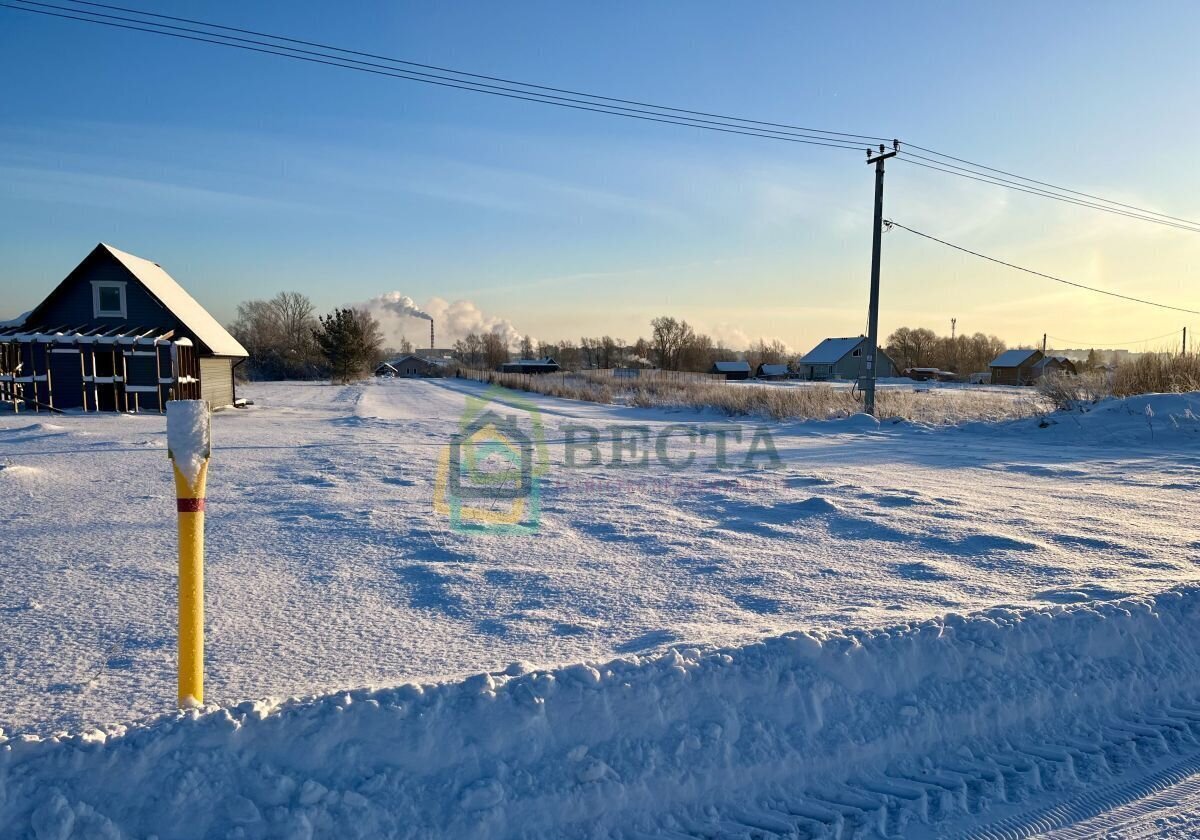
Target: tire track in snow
(1088,814)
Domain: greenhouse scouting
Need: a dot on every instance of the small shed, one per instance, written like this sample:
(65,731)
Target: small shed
(843,358)
(546,365)
(923,374)
(411,367)
(1015,367)
(731,370)
(772,372)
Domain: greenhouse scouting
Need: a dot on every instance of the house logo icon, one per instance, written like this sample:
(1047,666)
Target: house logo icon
(489,475)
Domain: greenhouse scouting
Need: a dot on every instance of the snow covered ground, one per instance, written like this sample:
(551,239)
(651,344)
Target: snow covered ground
(330,569)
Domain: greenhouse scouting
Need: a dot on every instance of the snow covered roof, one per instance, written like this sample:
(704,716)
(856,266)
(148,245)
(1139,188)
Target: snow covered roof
(732,367)
(832,350)
(1045,361)
(419,358)
(773,370)
(182,305)
(534,362)
(1012,358)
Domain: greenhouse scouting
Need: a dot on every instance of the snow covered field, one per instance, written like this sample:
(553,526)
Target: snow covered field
(329,569)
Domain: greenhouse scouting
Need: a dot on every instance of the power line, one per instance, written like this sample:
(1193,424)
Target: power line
(427,78)
(890,224)
(394,60)
(479,87)
(1191,227)
(567,98)
(1045,184)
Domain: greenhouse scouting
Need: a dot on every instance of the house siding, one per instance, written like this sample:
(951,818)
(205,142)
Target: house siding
(848,366)
(71,304)
(216,380)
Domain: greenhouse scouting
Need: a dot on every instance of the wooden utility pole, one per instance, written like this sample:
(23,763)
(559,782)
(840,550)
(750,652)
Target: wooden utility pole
(876,158)
(1043,344)
(1185,341)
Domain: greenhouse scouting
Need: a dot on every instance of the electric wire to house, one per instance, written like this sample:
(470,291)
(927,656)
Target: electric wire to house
(891,223)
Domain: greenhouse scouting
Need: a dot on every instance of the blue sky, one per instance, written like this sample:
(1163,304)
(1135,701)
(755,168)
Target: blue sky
(245,175)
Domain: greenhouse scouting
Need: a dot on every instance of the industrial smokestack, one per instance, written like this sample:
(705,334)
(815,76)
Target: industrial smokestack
(431,345)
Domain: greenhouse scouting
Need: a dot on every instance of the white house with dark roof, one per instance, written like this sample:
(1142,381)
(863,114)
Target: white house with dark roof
(843,358)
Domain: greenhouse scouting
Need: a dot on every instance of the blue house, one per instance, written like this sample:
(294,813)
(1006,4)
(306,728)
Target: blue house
(118,334)
(843,358)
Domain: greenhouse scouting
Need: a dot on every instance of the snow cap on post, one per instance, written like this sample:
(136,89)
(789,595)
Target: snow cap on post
(187,436)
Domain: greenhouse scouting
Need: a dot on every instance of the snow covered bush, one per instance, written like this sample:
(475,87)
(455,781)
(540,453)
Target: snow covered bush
(1068,391)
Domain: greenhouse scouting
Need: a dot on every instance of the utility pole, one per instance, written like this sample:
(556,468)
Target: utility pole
(1185,341)
(1043,344)
(953,345)
(876,158)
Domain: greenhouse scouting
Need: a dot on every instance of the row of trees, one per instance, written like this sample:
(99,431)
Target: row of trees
(911,347)
(286,339)
(673,345)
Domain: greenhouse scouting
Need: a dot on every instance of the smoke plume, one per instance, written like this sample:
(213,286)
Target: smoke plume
(454,320)
(398,304)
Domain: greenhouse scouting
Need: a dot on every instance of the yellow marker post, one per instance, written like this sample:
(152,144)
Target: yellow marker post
(189,448)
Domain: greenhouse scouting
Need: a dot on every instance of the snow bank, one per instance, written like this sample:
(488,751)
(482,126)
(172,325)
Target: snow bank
(588,750)
(187,435)
(1146,418)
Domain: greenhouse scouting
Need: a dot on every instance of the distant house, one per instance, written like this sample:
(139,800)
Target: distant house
(412,367)
(1053,364)
(731,370)
(843,358)
(546,365)
(1015,367)
(923,374)
(117,334)
(772,372)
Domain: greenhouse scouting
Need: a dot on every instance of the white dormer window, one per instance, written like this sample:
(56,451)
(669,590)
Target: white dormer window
(108,299)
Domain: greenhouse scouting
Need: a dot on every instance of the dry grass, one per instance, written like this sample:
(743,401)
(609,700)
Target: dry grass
(1151,373)
(1157,373)
(783,402)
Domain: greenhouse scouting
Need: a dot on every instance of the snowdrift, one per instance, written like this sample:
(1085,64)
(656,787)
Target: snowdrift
(1144,419)
(596,751)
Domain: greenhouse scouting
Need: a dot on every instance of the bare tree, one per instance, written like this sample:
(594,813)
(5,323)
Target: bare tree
(494,350)
(278,336)
(669,338)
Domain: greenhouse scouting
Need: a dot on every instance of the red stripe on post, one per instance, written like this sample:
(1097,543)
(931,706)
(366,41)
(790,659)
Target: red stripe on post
(190,505)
